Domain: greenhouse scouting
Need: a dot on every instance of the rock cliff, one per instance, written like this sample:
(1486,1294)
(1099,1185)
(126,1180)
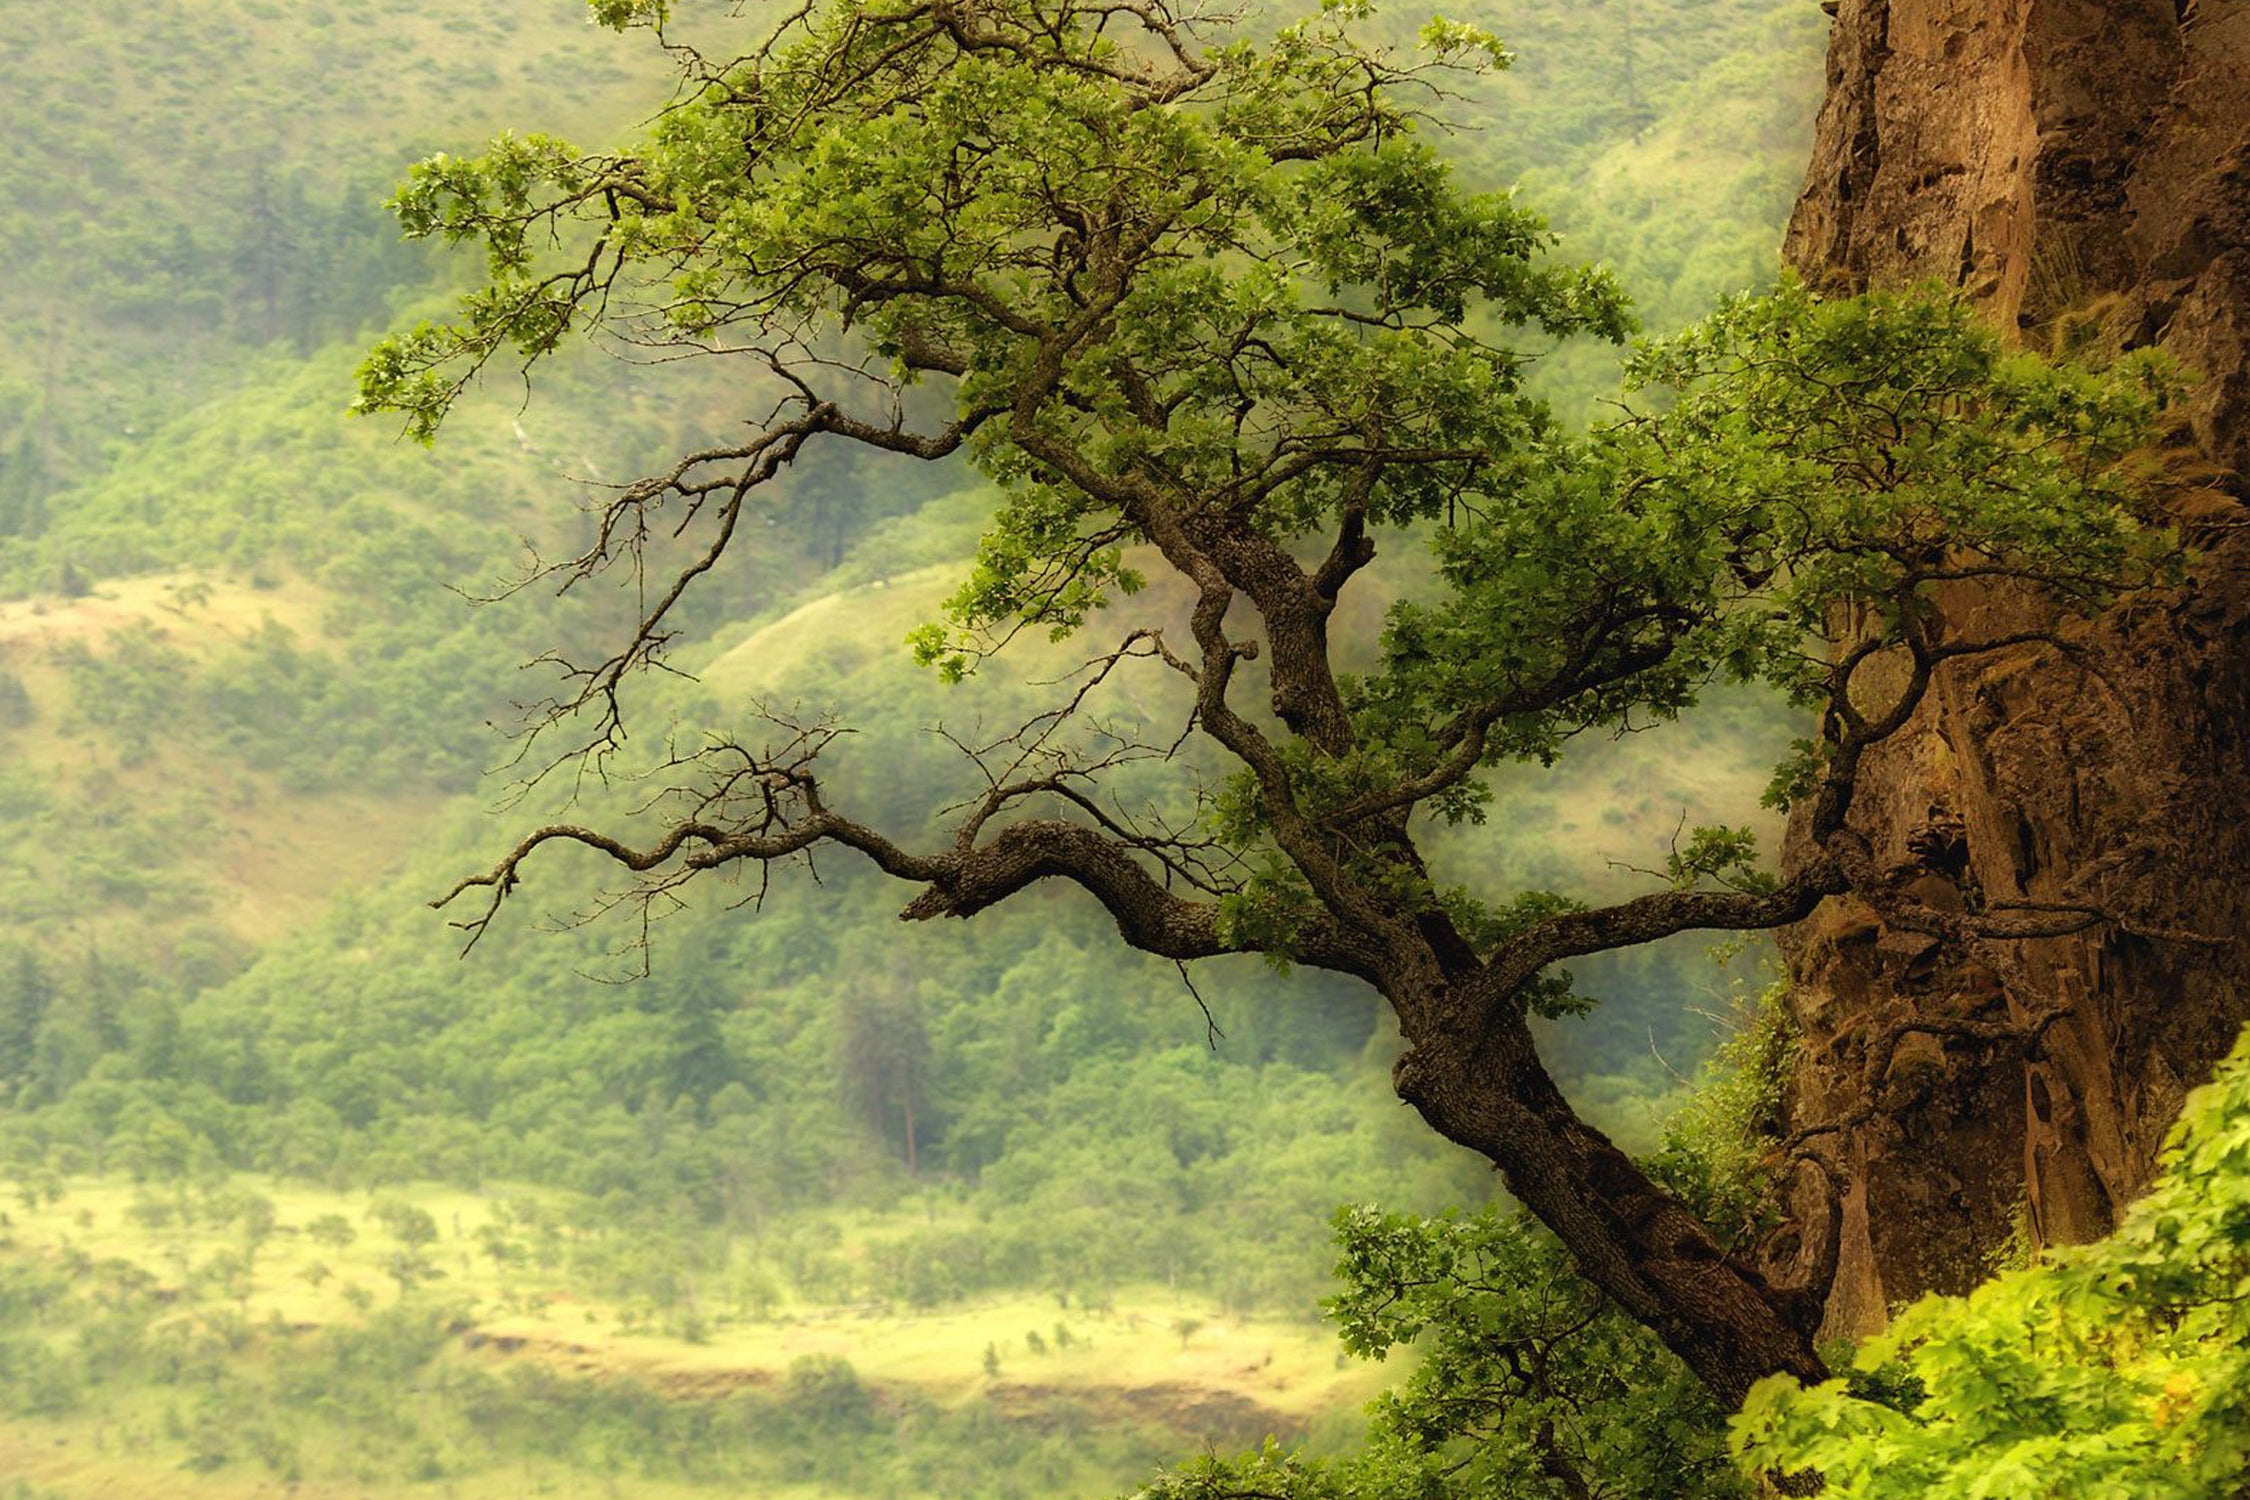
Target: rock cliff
(2082,168)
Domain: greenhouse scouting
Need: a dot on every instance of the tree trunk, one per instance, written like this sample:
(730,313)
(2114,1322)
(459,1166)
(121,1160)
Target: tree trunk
(1625,1232)
(2081,168)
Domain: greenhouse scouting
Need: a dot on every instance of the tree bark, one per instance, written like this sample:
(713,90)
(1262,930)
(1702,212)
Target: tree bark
(1626,1233)
(2081,168)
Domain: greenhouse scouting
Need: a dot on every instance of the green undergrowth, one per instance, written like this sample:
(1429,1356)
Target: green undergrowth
(2116,1368)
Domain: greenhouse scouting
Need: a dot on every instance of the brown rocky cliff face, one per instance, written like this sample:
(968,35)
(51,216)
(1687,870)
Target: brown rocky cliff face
(2071,163)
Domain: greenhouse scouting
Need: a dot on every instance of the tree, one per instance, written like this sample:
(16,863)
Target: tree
(258,1220)
(883,1059)
(1218,301)
(333,1230)
(26,995)
(410,1226)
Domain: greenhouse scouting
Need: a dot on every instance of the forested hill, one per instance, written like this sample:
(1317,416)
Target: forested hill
(236,668)
(191,182)
(244,709)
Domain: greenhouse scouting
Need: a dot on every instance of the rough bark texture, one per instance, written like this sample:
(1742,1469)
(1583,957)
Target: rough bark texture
(2082,167)
(1639,1244)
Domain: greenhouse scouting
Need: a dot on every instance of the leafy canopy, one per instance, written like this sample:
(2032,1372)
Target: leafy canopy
(1169,286)
(1233,267)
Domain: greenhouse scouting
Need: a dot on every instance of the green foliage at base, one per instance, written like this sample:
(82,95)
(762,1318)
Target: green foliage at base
(1527,1383)
(1718,1147)
(2115,1369)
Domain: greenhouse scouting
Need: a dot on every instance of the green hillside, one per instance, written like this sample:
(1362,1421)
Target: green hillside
(197,180)
(243,717)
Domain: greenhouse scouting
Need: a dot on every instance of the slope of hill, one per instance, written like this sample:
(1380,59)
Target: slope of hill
(192,180)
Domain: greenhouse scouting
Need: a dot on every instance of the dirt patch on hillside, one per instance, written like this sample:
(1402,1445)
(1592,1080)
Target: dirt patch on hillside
(710,1385)
(197,608)
(1198,1414)
(1222,1419)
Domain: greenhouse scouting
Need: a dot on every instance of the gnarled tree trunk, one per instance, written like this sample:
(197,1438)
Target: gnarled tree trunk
(2082,168)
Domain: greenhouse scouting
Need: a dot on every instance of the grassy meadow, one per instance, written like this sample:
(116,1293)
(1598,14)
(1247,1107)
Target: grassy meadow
(242,1283)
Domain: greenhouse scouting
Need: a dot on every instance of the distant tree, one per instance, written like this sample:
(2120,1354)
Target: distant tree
(264,252)
(257,1220)
(499,1248)
(24,485)
(333,1230)
(883,1059)
(227,1273)
(409,1268)
(756,1293)
(1217,300)
(149,1212)
(16,708)
(26,993)
(157,1036)
(82,1022)
(1636,111)
(410,1226)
